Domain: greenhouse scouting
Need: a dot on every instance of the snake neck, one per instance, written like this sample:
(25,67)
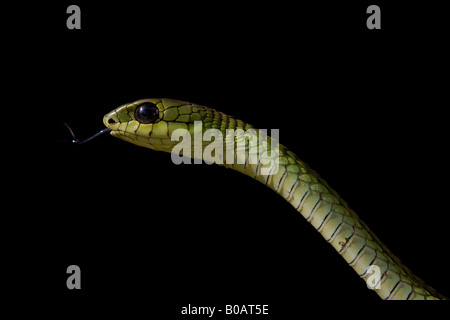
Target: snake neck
(322,207)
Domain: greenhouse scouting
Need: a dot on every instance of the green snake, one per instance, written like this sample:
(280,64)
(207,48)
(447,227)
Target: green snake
(151,123)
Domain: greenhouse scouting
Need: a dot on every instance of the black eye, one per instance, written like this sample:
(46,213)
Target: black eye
(146,113)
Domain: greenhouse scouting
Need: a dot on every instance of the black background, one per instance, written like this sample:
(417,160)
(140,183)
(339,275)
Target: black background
(365,108)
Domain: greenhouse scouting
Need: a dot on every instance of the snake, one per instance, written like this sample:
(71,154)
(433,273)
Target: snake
(153,123)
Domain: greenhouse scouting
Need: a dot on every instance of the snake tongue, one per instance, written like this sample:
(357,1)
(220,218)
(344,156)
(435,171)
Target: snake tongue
(75,139)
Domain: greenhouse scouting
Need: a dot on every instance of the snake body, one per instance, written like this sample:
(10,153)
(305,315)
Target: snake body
(295,181)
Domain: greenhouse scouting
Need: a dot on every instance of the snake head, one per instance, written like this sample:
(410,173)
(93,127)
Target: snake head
(150,122)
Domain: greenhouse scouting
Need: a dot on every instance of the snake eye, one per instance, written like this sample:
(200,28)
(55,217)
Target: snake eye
(146,113)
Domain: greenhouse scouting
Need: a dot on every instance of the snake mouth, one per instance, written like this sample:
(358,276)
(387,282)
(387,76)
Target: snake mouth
(144,135)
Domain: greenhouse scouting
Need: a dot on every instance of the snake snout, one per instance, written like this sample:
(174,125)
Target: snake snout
(111,121)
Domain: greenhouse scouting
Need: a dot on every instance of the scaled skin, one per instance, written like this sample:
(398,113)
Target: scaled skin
(295,181)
